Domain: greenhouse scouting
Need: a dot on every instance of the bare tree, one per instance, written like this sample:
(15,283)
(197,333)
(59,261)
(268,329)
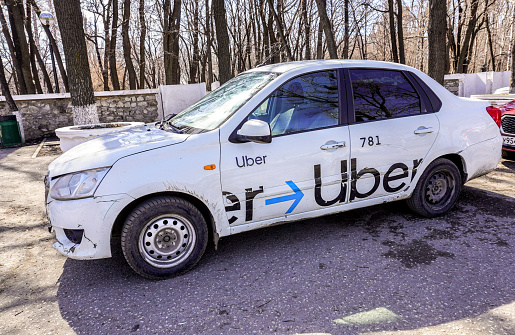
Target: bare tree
(126,43)
(69,18)
(16,18)
(436,36)
(143,36)
(112,48)
(5,89)
(171,34)
(222,37)
(326,25)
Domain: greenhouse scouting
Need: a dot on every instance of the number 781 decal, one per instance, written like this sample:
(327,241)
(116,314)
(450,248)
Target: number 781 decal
(370,140)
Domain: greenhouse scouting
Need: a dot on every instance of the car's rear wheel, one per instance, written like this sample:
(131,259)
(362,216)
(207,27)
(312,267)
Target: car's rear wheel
(164,237)
(437,190)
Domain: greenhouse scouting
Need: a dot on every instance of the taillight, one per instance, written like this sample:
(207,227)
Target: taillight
(495,113)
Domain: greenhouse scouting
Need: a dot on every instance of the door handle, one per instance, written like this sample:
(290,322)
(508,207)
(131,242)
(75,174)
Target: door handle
(333,145)
(423,130)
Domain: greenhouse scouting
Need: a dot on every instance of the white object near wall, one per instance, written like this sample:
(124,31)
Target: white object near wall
(20,124)
(172,99)
(75,135)
(480,83)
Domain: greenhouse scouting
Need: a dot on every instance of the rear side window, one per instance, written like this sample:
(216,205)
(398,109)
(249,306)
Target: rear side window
(382,94)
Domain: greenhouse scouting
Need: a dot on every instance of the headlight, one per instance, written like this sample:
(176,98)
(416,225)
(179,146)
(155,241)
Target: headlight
(77,185)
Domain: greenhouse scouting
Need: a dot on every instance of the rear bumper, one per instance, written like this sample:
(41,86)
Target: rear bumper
(483,157)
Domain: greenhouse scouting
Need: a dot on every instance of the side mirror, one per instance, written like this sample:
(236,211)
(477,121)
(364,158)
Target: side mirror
(254,131)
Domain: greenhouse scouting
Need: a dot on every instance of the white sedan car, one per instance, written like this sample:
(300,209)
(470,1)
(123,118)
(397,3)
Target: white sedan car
(275,144)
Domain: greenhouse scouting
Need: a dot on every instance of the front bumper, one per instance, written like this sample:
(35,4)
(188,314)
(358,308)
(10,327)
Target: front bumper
(94,216)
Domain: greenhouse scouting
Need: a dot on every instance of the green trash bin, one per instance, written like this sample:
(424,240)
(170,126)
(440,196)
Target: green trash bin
(9,131)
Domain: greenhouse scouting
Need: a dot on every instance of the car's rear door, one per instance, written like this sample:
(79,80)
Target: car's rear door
(392,128)
(304,167)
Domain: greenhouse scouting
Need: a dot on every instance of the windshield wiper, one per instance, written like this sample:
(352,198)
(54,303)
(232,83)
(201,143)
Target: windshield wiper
(173,128)
(167,120)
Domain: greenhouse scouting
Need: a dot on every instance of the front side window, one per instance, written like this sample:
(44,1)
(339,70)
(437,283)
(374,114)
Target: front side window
(212,110)
(304,103)
(382,94)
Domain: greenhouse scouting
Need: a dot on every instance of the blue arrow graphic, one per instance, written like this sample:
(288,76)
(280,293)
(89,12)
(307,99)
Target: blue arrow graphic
(297,196)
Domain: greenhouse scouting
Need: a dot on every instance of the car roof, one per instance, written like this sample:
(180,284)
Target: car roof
(313,65)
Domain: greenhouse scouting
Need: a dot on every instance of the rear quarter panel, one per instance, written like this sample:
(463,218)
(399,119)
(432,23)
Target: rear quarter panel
(468,130)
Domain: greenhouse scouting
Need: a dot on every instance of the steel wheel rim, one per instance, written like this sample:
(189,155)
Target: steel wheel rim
(167,241)
(439,189)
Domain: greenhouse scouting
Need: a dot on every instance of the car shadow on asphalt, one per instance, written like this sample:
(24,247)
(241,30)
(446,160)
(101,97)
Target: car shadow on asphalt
(299,277)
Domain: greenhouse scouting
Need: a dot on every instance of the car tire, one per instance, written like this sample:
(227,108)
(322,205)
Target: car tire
(437,190)
(164,237)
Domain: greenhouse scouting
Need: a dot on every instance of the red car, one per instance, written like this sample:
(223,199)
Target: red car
(504,116)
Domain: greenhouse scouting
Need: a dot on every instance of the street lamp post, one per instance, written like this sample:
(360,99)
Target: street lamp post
(47,19)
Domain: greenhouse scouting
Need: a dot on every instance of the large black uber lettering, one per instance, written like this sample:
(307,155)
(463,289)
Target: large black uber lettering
(395,172)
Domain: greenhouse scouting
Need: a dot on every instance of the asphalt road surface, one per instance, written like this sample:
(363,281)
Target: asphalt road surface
(376,269)
(300,277)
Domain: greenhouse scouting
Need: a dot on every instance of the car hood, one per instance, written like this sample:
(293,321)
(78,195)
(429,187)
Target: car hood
(105,150)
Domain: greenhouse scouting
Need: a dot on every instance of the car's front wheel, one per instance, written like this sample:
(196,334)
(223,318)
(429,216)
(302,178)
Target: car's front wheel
(164,237)
(437,190)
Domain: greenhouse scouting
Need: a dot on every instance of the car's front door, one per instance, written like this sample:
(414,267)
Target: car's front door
(391,132)
(303,168)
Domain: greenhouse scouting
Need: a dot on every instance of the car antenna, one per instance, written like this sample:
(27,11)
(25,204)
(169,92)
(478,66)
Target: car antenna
(272,55)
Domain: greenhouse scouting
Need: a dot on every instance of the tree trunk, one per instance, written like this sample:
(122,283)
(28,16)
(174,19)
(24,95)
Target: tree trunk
(5,89)
(129,66)
(112,49)
(32,50)
(436,39)
(490,42)
(281,31)
(307,30)
(16,18)
(143,36)
(172,25)
(69,16)
(209,60)
(274,49)
(57,54)
(222,38)
(16,64)
(469,35)
(346,30)
(320,35)
(60,63)
(393,38)
(400,33)
(194,65)
(326,25)
(107,43)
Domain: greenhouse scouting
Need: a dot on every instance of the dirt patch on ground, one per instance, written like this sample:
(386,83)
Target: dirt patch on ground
(50,150)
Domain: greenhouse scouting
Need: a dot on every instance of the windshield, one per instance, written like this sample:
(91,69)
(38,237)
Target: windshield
(212,110)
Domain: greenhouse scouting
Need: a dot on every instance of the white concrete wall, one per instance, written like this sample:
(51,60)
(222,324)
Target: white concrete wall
(172,99)
(480,83)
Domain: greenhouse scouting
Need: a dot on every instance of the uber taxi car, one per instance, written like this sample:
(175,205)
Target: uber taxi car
(275,144)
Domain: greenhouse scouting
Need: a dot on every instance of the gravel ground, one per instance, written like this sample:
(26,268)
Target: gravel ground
(369,271)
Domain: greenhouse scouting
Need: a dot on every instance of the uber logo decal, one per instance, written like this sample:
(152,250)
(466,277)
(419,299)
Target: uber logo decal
(249,161)
(250,193)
